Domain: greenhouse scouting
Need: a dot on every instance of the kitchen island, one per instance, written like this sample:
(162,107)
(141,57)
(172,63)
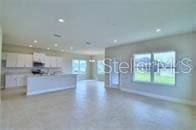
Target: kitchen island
(49,83)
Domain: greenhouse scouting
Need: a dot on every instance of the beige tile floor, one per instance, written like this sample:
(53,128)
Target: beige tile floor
(92,107)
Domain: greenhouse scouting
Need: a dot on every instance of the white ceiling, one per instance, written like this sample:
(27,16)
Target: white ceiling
(97,21)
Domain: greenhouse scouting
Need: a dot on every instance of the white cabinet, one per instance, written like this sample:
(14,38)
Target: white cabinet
(54,62)
(21,80)
(59,62)
(51,61)
(11,60)
(39,57)
(12,81)
(28,60)
(48,61)
(19,60)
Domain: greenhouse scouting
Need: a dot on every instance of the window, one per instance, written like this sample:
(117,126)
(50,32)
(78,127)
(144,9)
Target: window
(115,74)
(100,67)
(142,67)
(156,67)
(75,66)
(79,66)
(83,66)
(164,68)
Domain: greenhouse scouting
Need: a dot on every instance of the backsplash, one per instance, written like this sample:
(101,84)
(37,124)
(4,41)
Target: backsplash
(18,71)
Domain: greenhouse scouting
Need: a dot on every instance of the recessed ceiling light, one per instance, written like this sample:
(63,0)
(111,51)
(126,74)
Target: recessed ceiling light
(62,50)
(61,20)
(56,45)
(30,46)
(115,41)
(158,30)
(48,48)
(35,41)
(71,48)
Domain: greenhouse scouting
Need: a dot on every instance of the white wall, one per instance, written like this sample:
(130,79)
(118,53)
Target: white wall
(95,75)
(184,45)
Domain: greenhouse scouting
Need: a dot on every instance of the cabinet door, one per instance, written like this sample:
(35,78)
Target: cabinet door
(28,60)
(20,60)
(51,61)
(59,62)
(10,81)
(54,62)
(47,61)
(11,60)
(21,80)
(43,58)
(39,57)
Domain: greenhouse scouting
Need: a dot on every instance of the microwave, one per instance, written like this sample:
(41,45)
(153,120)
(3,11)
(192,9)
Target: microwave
(38,64)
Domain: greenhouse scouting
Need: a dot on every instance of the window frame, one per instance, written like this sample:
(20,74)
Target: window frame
(152,73)
(81,72)
(118,74)
(100,73)
(133,67)
(79,67)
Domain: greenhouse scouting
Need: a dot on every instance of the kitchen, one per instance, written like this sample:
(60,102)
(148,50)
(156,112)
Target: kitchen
(34,68)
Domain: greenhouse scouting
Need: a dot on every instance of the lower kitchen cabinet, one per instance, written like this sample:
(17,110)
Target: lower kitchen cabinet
(12,81)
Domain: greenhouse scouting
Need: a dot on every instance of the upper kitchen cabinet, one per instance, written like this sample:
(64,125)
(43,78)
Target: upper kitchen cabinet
(51,62)
(59,62)
(54,62)
(11,60)
(18,60)
(39,57)
(28,60)
(24,60)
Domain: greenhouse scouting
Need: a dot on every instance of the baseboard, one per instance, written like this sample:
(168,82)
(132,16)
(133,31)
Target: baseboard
(49,90)
(171,99)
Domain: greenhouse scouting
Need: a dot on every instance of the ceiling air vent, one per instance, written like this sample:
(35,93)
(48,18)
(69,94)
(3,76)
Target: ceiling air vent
(88,43)
(57,35)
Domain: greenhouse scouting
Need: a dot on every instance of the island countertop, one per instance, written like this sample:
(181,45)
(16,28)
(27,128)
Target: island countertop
(48,83)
